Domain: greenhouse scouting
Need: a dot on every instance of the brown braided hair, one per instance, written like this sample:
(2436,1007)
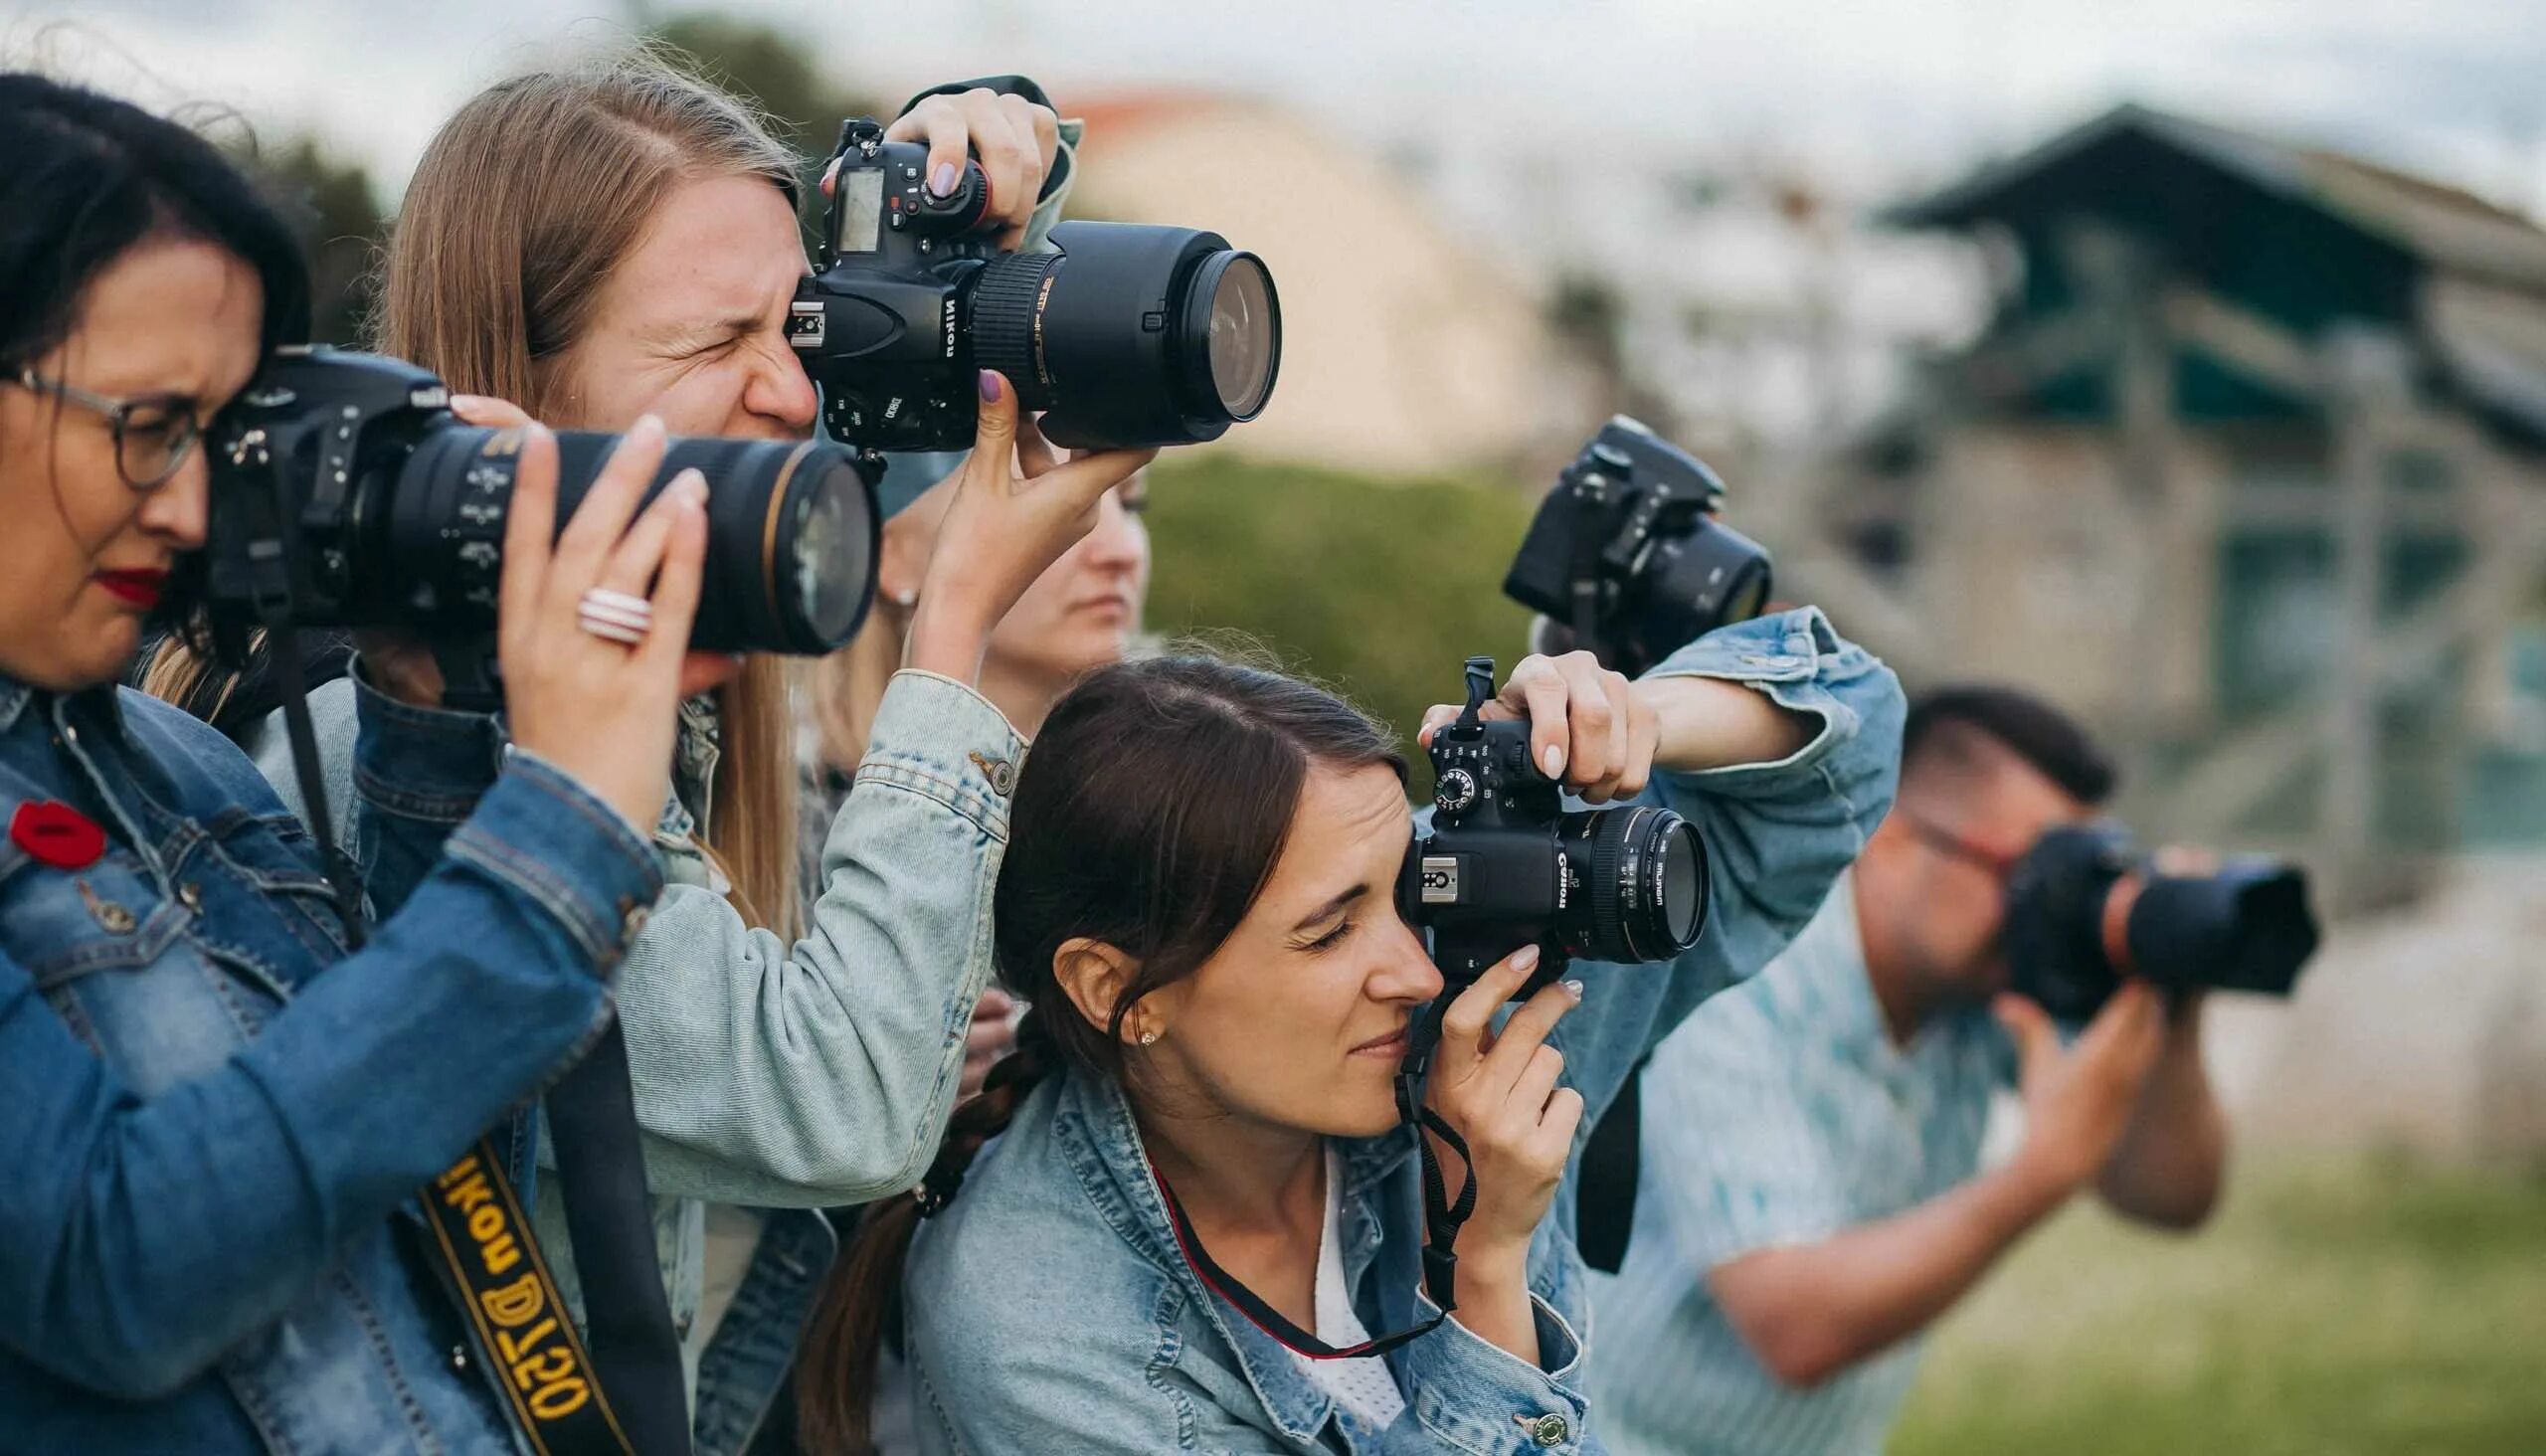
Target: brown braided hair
(1149,816)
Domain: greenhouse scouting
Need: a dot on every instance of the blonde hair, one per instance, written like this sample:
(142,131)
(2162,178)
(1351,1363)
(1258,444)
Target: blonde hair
(524,201)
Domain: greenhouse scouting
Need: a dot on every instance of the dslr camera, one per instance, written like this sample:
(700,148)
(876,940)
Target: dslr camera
(1506,865)
(1127,335)
(1628,552)
(2085,908)
(346,494)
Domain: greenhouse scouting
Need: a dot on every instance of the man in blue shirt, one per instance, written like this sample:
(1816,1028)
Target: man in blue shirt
(1813,1196)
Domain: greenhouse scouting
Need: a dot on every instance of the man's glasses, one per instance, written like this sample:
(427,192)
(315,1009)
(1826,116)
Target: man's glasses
(1945,841)
(153,433)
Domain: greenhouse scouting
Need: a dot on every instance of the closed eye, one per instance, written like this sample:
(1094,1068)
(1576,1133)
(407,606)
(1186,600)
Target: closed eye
(1330,940)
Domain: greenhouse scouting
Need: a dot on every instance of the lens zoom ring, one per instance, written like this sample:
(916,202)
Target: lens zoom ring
(1607,891)
(1004,299)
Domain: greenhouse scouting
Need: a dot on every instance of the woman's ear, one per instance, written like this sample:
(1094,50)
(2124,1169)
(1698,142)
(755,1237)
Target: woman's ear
(1095,976)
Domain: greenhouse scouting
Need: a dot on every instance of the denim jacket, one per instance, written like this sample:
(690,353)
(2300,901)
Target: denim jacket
(1048,1307)
(790,1077)
(207,1141)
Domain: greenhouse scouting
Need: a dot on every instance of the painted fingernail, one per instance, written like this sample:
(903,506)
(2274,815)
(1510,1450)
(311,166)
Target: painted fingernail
(941,182)
(1525,957)
(989,387)
(1552,757)
(649,424)
(1573,989)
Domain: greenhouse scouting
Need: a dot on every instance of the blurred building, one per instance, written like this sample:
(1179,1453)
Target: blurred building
(2248,466)
(1405,350)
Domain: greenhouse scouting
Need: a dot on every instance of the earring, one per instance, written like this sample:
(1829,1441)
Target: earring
(905,598)
(1150,1036)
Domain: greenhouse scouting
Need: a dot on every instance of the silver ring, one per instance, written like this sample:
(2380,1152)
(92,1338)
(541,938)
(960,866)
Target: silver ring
(615,616)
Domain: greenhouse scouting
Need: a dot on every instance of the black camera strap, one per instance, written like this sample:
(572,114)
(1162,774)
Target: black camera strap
(1443,1216)
(555,1390)
(1605,1184)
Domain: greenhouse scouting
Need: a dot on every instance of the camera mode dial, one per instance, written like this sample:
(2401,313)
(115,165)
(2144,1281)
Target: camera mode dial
(1455,792)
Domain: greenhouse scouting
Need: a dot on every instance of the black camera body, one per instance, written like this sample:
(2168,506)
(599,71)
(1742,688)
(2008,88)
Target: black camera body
(1628,551)
(346,493)
(1506,865)
(1124,336)
(2085,908)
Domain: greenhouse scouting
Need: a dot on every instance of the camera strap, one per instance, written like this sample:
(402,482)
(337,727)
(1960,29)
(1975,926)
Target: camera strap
(1443,1216)
(551,1384)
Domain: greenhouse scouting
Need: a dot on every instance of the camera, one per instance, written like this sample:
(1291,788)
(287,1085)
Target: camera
(346,493)
(1504,865)
(2085,908)
(1128,335)
(1628,553)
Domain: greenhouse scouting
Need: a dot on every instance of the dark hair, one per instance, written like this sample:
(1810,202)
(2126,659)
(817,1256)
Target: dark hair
(90,177)
(1149,816)
(2055,745)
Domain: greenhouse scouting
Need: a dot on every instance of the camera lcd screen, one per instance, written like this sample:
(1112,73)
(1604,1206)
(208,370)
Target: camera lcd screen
(860,205)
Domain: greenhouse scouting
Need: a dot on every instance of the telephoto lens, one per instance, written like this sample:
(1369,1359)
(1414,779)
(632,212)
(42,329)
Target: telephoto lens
(792,532)
(349,473)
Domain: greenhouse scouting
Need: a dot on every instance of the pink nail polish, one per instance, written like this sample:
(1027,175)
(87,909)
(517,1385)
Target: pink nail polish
(941,182)
(989,387)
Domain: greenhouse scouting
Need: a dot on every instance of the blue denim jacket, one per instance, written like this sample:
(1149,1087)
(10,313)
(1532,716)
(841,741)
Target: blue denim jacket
(207,1141)
(1048,1307)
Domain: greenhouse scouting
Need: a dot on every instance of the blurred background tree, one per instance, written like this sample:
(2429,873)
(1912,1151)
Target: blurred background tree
(773,69)
(337,211)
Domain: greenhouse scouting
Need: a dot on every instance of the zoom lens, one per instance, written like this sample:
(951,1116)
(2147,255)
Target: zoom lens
(792,534)
(1640,873)
(1131,335)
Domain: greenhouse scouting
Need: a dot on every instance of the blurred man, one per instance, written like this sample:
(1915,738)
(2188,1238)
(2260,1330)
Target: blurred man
(1811,1194)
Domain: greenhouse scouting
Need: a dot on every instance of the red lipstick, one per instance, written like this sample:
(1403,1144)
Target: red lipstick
(138,588)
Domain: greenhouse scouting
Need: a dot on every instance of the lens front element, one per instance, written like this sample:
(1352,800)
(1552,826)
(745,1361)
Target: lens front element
(1245,339)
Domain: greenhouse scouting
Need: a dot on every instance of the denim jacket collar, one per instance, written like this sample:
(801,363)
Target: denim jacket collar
(101,702)
(14,697)
(1097,1134)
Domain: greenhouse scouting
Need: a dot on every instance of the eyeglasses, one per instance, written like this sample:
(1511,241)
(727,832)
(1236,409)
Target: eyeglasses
(153,433)
(1945,841)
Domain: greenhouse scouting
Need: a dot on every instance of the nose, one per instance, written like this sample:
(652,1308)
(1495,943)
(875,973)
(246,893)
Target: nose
(178,511)
(1406,974)
(1119,542)
(778,390)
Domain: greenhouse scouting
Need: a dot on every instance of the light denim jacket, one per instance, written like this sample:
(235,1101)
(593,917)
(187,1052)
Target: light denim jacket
(1049,1306)
(214,1116)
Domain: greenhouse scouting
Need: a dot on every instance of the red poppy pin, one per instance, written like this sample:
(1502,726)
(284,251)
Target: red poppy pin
(57,834)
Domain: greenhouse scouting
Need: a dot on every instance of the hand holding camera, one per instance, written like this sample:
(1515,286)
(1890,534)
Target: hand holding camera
(597,707)
(1016,510)
(1589,729)
(1012,139)
(2079,1100)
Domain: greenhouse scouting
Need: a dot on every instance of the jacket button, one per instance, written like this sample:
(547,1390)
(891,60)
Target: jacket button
(1002,774)
(190,895)
(460,1357)
(1546,1430)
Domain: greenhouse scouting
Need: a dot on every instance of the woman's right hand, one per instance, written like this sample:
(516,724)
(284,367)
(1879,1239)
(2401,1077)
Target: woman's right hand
(601,711)
(1016,512)
(1500,1090)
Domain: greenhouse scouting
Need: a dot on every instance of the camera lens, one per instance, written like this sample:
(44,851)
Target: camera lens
(1131,335)
(1642,875)
(1243,334)
(792,533)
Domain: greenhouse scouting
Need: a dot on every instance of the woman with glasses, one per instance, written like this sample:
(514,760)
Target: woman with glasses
(209,1123)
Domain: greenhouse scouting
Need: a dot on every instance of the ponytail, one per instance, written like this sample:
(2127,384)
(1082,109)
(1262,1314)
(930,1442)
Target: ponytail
(860,1307)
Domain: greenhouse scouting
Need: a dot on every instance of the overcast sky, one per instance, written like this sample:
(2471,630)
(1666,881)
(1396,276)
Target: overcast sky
(1875,97)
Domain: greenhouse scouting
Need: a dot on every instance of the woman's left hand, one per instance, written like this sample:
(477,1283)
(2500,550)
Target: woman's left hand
(1013,139)
(1589,728)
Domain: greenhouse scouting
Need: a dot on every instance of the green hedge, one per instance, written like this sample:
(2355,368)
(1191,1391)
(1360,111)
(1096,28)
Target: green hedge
(1377,587)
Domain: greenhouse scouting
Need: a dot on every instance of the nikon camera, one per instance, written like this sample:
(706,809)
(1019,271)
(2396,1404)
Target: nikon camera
(1628,551)
(1506,865)
(346,494)
(1127,335)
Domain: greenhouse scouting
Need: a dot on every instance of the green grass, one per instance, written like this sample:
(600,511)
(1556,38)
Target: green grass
(2331,1307)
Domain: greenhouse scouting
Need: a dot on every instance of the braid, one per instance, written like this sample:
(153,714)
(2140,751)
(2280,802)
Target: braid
(860,1307)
